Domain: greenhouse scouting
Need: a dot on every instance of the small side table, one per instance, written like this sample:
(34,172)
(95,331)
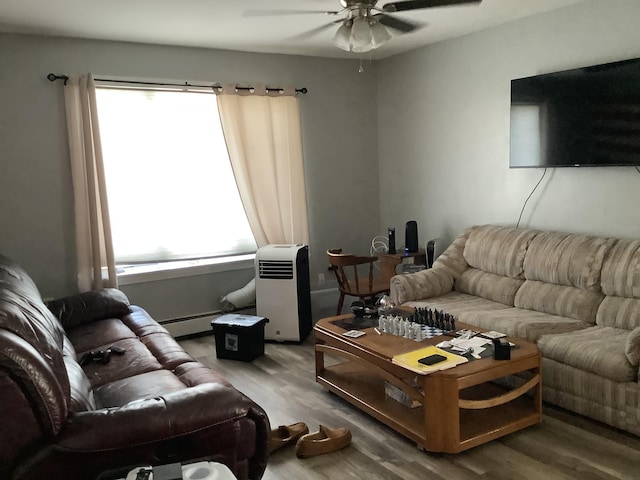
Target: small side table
(389,261)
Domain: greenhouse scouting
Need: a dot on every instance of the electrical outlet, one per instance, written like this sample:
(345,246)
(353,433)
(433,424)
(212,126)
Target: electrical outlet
(320,278)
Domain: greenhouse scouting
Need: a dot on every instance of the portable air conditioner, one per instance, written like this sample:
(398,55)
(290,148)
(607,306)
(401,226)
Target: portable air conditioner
(283,291)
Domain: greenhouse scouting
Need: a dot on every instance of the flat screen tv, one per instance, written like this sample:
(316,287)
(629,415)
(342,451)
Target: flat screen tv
(585,117)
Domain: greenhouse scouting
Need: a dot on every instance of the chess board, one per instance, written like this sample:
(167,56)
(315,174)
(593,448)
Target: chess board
(431,332)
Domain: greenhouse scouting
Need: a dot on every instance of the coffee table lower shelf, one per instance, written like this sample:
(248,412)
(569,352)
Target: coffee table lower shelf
(364,389)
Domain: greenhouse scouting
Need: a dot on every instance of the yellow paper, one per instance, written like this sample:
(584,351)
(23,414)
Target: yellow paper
(410,360)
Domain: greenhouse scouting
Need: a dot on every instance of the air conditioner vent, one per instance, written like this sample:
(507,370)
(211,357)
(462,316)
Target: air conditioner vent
(276,269)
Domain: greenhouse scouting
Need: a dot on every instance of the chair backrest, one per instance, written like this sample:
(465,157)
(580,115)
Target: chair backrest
(345,267)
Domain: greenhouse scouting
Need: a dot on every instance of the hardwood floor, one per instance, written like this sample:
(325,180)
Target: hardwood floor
(563,446)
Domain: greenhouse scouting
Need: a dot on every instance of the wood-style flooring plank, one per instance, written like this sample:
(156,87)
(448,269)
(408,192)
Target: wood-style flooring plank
(564,446)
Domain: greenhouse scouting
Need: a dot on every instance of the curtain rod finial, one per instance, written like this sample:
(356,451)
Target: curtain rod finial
(52,77)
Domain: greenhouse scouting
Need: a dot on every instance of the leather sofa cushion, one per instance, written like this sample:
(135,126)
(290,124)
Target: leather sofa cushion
(82,396)
(90,306)
(92,336)
(599,350)
(498,250)
(137,359)
(567,259)
(137,387)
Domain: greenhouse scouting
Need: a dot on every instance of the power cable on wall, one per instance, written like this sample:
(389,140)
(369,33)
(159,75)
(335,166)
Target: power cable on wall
(532,191)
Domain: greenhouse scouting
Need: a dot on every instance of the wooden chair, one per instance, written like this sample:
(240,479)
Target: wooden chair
(350,281)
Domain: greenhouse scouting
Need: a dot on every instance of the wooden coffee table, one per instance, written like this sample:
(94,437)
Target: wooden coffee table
(460,408)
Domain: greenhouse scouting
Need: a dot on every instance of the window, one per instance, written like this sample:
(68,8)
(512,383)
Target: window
(171,189)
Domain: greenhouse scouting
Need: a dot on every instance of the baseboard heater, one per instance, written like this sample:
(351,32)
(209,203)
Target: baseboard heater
(198,323)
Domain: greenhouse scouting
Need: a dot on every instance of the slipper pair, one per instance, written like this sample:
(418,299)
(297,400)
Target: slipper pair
(310,444)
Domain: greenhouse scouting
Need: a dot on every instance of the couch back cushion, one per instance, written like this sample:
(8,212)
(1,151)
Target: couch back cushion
(495,256)
(31,353)
(562,274)
(498,250)
(621,284)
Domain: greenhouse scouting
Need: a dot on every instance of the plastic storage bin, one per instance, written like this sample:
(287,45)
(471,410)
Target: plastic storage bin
(239,337)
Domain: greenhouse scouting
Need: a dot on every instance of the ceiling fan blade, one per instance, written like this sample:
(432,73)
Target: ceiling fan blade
(315,31)
(418,4)
(396,23)
(268,13)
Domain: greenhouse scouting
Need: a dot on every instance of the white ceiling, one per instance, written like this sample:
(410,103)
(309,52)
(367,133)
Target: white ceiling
(224,23)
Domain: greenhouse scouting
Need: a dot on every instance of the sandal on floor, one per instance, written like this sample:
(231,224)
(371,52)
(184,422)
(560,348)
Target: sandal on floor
(325,441)
(286,434)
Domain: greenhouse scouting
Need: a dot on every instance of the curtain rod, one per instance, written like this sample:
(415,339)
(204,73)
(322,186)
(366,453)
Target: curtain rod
(52,77)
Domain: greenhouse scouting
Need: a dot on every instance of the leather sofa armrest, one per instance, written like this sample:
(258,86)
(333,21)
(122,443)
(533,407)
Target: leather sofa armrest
(90,306)
(154,420)
(423,284)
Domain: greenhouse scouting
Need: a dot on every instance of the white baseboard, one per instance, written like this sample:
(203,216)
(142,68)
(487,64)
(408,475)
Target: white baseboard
(181,327)
(323,304)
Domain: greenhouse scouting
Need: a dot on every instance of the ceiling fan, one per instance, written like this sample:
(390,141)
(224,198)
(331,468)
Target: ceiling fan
(362,22)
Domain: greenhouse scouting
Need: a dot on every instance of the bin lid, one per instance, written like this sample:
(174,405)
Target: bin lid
(238,320)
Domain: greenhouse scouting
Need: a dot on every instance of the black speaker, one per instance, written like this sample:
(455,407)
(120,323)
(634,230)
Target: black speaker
(411,236)
(392,240)
(431,251)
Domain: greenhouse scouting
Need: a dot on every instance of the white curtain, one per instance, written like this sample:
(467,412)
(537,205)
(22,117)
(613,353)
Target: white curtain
(95,259)
(264,138)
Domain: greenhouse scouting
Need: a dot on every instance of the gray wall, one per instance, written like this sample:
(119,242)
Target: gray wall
(440,154)
(444,129)
(36,203)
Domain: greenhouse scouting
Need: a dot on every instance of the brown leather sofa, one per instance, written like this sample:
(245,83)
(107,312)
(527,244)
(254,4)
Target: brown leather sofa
(149,404)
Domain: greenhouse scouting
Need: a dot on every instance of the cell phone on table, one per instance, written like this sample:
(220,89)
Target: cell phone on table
(432,359)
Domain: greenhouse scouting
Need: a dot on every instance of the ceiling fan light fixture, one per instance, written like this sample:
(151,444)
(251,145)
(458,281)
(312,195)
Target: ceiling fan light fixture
(342,38)
(379,34)
(361,40)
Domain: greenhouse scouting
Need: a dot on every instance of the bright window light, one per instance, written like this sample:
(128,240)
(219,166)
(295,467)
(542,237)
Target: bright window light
(171,190)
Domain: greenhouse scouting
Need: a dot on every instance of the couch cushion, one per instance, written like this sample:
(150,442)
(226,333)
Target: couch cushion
(137,387)
(456,303)
(618,312)
(599,350)
(621,283)
(488,285)
(567,259)
(561,300)
(632,347)
(516,322)
(621,270)
(82,398)
(498,250)
(137,359)
(91,336)
(90,306)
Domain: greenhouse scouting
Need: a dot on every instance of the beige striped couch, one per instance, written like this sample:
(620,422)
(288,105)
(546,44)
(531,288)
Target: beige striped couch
(577,296)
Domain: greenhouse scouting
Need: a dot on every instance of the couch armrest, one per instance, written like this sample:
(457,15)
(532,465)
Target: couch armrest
(424,284)
(209,422)
(632,348)
(89,307)
(154,420)
(434,281)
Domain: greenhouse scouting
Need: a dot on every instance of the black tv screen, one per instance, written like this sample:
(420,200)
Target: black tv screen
(582,117)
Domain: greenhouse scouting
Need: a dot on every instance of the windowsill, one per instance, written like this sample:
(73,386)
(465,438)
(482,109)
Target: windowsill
(133,274)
